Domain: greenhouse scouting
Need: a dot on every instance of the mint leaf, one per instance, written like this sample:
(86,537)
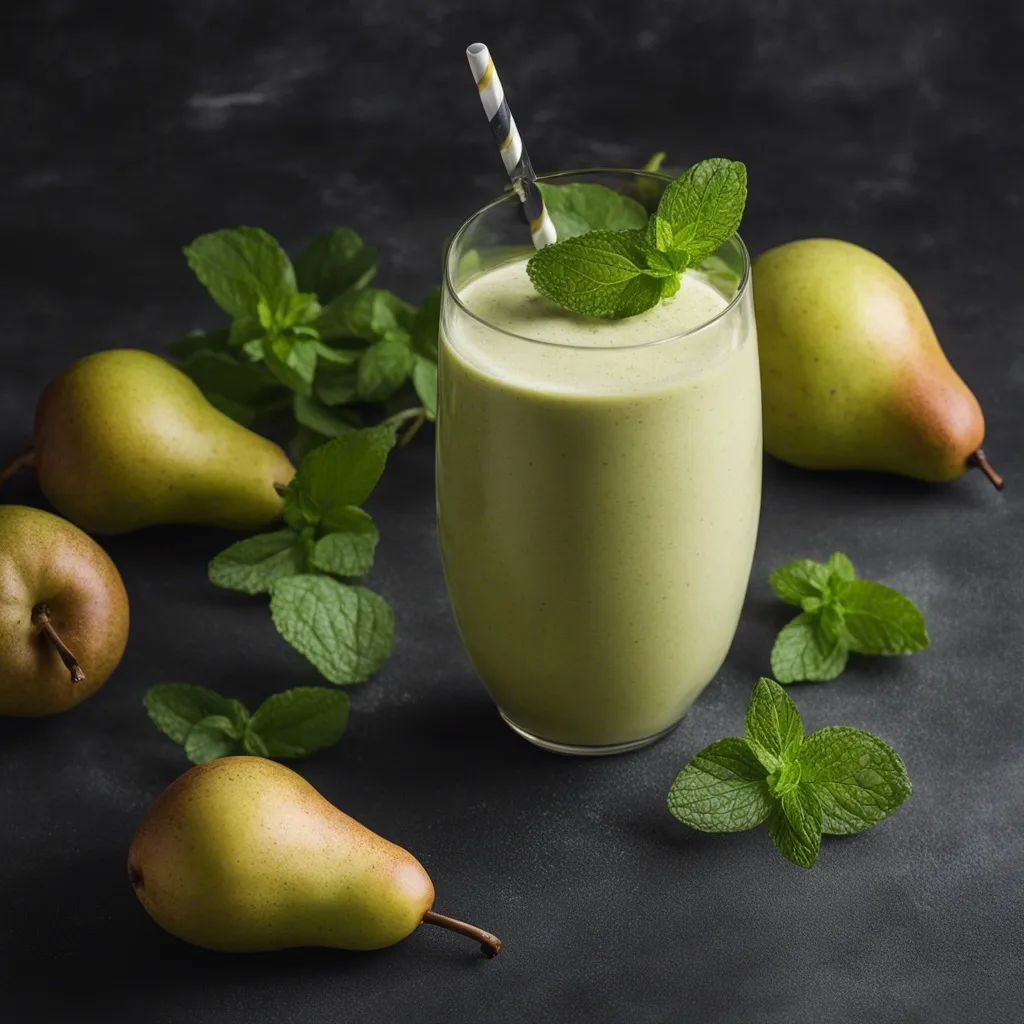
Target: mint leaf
(857,778)
(310,412)
(383,370)
(795,826)
(345,631)
(253,564)
(174,708)
(840,567)
(701,209)
(291,360)
(426,325)
(340,473)
(337,358)
(654,162)
(336,387)
(723,789)
(424,380)
(240,266)
(237,388)
(799,580)
(579,207)
(334,263)
(367,314)
(880,620)
(773,723)
(298,721)
(349,550)
(292,310)
(211,738)
(603,273)
(804,652)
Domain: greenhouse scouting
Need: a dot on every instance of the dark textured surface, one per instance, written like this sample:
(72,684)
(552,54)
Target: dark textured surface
(892,124)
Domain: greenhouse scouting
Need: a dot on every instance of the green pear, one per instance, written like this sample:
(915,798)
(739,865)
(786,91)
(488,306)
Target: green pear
(63,613)
(242,854)
(852,375)
(123,440)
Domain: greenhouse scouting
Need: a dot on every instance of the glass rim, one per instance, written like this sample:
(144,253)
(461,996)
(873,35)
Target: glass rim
(507,197)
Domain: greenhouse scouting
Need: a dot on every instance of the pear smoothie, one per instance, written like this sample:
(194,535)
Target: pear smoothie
(598,487)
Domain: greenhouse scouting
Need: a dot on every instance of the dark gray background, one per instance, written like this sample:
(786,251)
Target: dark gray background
(892,124)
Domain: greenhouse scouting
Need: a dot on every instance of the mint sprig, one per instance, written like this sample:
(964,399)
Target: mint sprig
(840,615)
(837,781)
(620,273)
(311,568)
(311,338)
(290,724)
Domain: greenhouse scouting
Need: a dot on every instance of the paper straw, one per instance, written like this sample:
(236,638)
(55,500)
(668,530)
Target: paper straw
(510,143)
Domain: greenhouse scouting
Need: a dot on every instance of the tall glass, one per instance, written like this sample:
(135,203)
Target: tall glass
(598,485)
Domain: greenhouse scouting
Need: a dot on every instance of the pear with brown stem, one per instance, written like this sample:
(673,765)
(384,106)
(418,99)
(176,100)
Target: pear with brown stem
(241,854)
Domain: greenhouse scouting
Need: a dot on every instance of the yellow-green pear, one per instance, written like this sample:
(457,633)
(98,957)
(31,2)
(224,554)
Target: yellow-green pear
(242,854)
(123,440)
(852,375)
(63,613)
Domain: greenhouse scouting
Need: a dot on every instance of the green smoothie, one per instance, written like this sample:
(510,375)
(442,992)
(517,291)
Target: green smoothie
(598,497)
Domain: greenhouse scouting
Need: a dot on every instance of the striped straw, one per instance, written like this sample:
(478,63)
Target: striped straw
(510,143)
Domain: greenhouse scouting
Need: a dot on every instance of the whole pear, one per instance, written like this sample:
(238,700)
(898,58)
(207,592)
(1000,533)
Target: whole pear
(123,440)
(242,854)
(852,374)
(63,613)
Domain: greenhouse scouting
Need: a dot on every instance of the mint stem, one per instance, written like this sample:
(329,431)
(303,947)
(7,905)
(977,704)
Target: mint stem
(976,461)
(490,944)
(41,617)
(26,459)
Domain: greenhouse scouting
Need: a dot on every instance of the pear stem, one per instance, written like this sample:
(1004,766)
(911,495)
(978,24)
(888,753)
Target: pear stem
(490,944)
(42,619)
(26,459)
(978,461)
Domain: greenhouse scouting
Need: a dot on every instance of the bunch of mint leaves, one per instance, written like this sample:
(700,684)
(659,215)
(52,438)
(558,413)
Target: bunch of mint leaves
(311,568)
(837,781)
(287,725)
(311,337)
(630,262)
(840,615)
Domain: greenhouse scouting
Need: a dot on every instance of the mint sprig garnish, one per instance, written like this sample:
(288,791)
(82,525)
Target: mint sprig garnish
(620,273)
(311,338)
(840,615)
(837,781)
(290,724)
(312,567)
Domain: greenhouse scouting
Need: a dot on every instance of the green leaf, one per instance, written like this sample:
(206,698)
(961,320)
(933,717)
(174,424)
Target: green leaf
(291,360)
(857,778)
(337,358)
(335,262)
(240,266)
(199,341)
(654,162)
(840,567)
(803,652)
(174,708)
(298,721)
(340,473)
(223,375)
(701,209)
(795,826)
(799,580)
(310,412)
(773,722)
(424,379)
(211,738)
(383,370)
(723,789)
(367,314)
(335,387)
(253,564)
(345,631)
(880,620)
(603,273)
(295,310)
(349,549)
(579,207)
(426,325)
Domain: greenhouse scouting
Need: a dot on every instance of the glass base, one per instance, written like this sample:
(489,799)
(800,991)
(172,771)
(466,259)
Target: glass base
(574,750)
